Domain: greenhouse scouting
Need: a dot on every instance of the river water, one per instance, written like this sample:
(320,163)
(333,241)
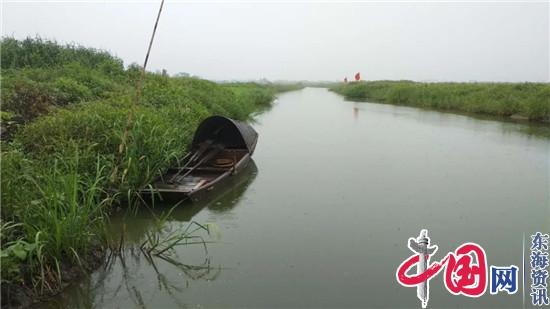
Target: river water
(324,216)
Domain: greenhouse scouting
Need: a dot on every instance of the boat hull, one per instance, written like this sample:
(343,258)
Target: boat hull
(159,193)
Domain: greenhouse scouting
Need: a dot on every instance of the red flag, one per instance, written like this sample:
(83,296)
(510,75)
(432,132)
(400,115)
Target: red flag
(358,76)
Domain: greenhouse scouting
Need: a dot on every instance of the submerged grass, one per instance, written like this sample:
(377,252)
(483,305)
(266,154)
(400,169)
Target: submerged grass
(519,100)
(65,110)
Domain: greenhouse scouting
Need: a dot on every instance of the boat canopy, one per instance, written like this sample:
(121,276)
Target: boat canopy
(231,133)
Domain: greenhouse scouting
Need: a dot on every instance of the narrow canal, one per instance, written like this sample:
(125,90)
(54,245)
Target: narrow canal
(324,217)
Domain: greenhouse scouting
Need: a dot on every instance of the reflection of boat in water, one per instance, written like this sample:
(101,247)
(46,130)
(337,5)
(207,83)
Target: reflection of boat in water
(221,148)
(139,221)
(226,197)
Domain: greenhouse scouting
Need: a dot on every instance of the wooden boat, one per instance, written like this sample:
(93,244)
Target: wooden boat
(221,148)
(224,197)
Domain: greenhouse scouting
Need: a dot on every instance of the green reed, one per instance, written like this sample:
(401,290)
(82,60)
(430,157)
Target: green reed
(521,100)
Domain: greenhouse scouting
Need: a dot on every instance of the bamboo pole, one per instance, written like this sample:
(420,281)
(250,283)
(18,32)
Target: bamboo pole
(130,119)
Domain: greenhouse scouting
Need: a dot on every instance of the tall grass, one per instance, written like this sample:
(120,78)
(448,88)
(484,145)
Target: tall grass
(528,100)
(61,219)
(43,53)
(71,105)
(69,213)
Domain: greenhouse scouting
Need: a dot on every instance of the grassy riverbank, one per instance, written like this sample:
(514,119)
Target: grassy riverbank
(519,100)
(64,111)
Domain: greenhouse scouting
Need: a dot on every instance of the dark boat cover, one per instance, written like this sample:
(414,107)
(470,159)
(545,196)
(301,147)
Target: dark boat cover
(231,133)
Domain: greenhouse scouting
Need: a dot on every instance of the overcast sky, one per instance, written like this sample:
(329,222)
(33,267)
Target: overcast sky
(424,41)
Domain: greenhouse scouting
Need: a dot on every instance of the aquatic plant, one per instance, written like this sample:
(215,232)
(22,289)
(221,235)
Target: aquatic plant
(157,246)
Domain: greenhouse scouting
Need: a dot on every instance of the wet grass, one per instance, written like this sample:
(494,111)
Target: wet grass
(529,101)
(65,109)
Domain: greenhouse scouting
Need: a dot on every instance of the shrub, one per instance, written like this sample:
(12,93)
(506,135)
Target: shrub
(28,99)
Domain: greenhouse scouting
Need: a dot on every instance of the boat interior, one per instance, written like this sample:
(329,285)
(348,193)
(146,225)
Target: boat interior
(204,169)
